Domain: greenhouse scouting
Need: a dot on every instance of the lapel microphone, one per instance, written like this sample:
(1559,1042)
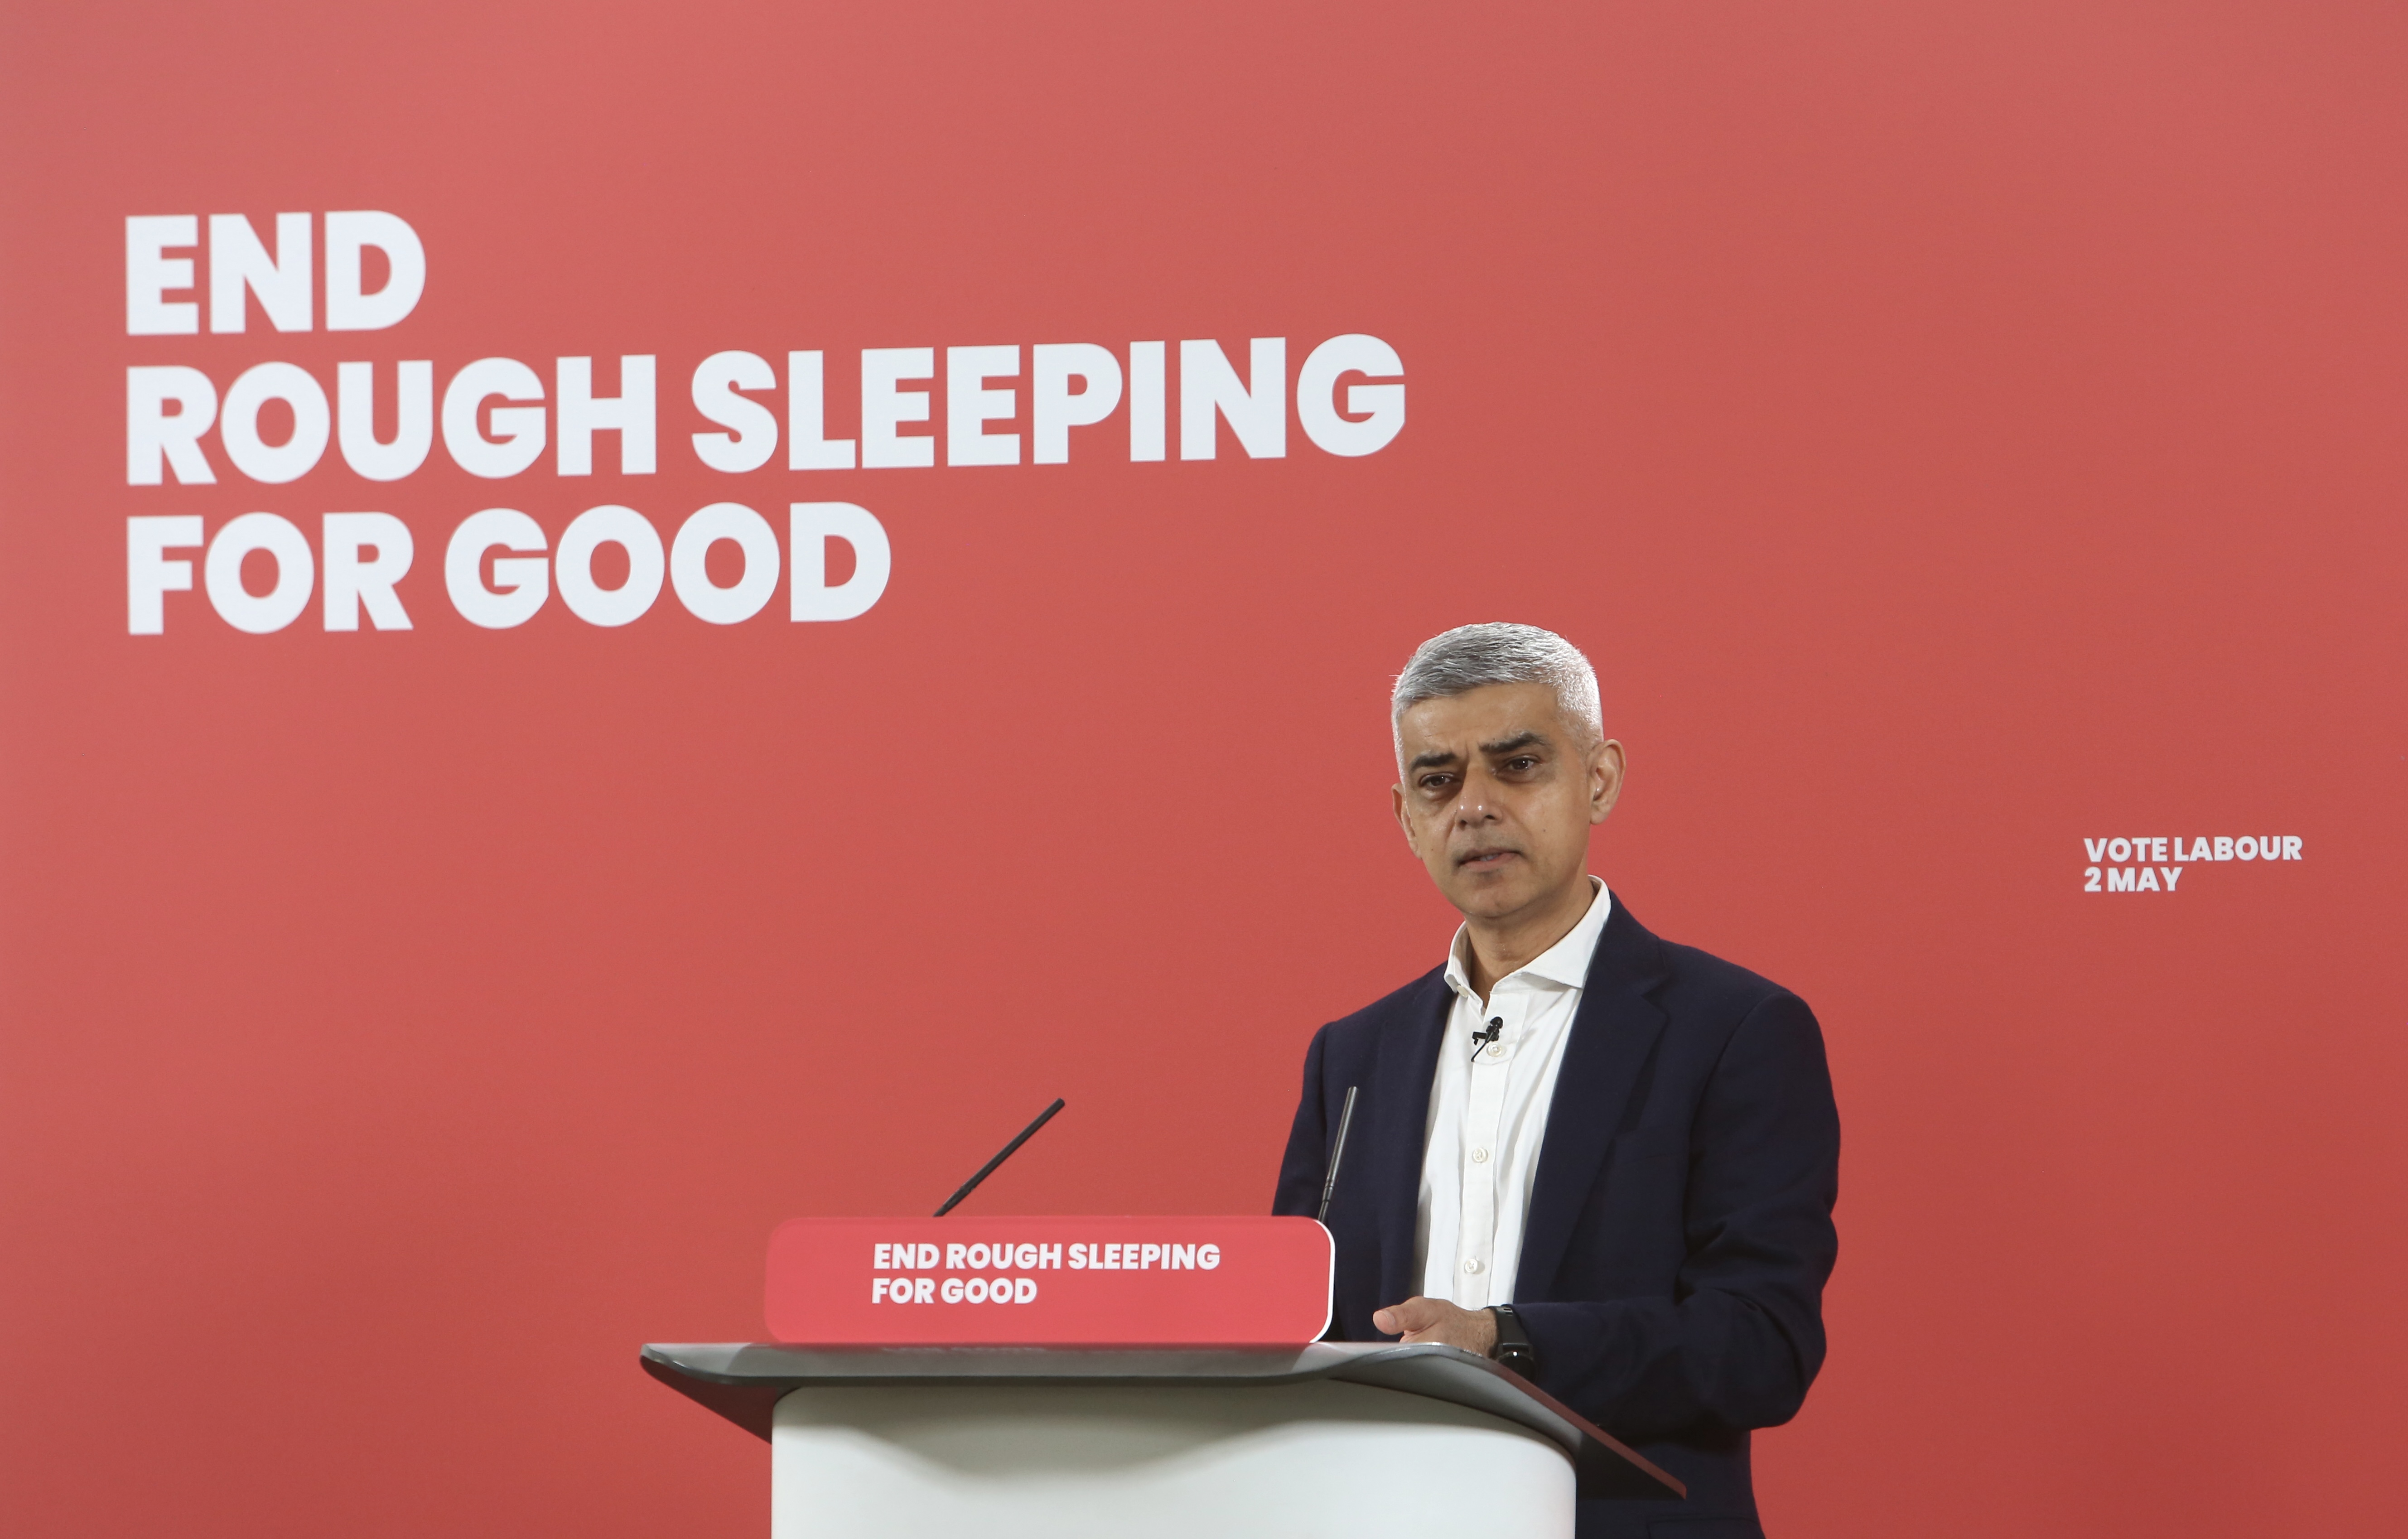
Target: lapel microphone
(1481,1039)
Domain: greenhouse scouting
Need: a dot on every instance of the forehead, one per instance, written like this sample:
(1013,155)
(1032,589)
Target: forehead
(1488,714)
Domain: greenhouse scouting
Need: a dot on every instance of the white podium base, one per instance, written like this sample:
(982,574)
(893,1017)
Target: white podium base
(1300,1460)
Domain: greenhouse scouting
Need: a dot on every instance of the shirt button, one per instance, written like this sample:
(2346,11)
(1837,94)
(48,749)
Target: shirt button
(1473,1265)
(1497,1050)
(1480,1156)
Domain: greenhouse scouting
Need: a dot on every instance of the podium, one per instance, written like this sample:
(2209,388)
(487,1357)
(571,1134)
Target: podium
(1068,1443)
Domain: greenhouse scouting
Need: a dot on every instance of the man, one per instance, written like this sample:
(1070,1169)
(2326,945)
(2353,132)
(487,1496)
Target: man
(1605,1159)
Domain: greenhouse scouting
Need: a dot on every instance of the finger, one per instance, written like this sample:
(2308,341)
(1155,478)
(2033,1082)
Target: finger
(1439,1327)
(1414,1314)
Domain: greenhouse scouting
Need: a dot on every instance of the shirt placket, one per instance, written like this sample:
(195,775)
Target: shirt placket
(1484,1120)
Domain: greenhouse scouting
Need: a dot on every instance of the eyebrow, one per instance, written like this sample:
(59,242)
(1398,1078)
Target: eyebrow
(1438,760)
(1519,739)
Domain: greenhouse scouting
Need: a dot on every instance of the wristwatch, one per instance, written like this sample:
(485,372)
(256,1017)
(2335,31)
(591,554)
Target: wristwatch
(1514,1348)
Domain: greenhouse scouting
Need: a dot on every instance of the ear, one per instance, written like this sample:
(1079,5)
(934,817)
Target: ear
(1397,805)
(1605,768)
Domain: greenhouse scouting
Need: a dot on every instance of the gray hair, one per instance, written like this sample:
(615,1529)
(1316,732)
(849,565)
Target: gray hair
(1471,657)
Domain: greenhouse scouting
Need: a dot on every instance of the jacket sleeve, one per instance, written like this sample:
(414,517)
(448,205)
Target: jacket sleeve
(1741,1336)
(1302,1168)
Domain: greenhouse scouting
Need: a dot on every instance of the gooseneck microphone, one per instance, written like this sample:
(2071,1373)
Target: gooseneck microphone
(988,1168)
(1337,1152)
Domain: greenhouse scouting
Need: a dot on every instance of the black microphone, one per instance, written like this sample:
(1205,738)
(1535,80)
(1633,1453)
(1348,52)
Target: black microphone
(1329,1187)
(988,1168)
(1481,1039)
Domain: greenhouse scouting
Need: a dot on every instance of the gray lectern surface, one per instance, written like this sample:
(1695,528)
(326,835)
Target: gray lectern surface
(744,1382)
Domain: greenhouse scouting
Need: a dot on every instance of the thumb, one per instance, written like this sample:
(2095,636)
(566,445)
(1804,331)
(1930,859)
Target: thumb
(1414,1314)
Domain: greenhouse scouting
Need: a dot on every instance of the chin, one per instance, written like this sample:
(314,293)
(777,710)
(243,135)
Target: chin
(1491,899)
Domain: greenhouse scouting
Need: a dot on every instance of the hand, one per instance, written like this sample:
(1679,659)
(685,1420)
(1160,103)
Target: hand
(1419,1319)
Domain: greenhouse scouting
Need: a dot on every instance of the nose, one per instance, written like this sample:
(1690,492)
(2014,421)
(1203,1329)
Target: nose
(1471,806)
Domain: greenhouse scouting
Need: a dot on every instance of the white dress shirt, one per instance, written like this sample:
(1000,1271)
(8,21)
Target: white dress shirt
(1489,1113)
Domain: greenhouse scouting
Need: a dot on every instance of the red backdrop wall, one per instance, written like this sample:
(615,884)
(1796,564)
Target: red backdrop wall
(1956,433)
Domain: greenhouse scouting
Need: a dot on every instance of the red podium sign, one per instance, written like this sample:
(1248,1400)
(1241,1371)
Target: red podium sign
(1099,1281)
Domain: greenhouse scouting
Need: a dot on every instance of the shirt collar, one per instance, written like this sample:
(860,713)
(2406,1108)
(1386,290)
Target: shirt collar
(1565,963)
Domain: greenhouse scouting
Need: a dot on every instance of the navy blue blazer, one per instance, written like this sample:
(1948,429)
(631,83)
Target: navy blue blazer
(1679,1229)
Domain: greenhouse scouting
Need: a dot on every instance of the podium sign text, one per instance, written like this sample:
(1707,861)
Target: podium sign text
(1101,1282)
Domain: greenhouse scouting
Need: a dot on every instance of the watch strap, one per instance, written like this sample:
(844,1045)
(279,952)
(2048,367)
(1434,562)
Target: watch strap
(1513,1347)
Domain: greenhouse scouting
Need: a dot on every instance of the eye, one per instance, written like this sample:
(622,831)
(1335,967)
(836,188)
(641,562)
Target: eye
(1522,761)
(1435,783)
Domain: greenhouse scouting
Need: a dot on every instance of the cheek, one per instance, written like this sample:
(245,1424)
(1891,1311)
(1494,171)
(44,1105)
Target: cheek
(1554,815)
(1428,833)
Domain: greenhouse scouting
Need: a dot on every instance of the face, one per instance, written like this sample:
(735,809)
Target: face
(1498,796)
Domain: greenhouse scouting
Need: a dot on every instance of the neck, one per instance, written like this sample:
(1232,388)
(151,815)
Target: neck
(1511,942)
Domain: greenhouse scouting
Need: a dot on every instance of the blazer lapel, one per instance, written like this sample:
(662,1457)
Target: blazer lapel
(1398,1098)
(1612,1035)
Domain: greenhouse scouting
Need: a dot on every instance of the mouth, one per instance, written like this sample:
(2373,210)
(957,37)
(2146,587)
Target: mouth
(1484,860)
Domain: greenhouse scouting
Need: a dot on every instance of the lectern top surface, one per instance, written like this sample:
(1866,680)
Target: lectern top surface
(744,1382)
